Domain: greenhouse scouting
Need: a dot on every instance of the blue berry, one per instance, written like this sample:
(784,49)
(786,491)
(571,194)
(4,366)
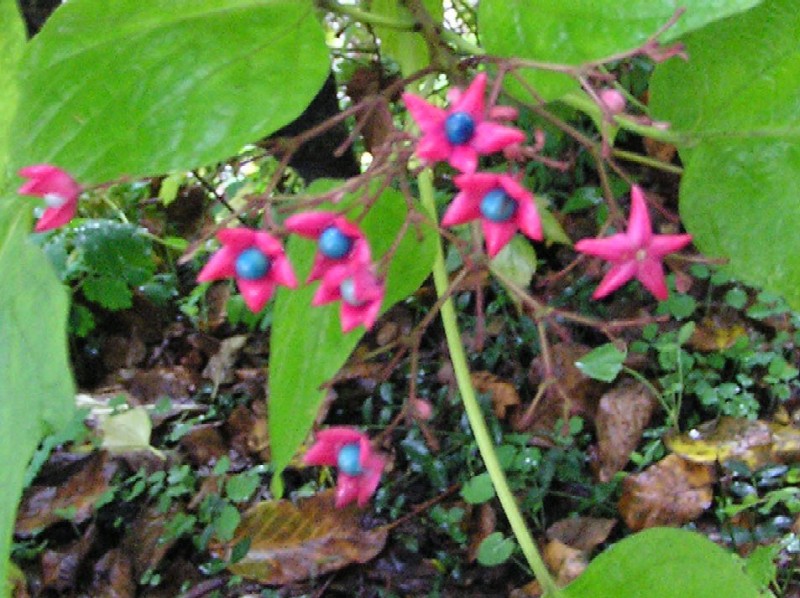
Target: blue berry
(348,290)
(459,128)
(348,459)
(497,206)
(334,244)
(252,264)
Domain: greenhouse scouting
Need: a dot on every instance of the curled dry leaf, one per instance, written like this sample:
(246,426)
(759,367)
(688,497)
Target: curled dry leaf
(671,492)
(220,366)
(291,543)
(755,442)
(717,332)
(504,395)
(565,561)
(622,415)
(113,576)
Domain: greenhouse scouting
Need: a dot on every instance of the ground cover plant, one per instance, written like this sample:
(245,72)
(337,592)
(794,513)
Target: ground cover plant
(399,297)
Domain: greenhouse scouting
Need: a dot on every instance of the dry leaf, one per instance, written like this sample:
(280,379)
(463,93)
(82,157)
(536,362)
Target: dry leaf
(566,562)
(203,444)
(504,395)
(74,499)
(583,533)
(60,568)
(717,333)
(219,368)
(671,492)
(754,442)
(622,415)
(127,431)
(113,576)
(291,543)
(485,522)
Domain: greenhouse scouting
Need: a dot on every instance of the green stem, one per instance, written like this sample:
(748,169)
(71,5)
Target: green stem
(473,410)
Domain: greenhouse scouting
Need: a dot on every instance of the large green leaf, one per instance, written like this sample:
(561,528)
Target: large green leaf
(307,346)
(408,48)
(579,31)
(137,87)
(664,562)
(36,388)
(12,43)
(736,103)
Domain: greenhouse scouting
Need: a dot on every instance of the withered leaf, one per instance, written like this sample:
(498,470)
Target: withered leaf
(716,333)
(755,442)
(504,395)
(622,415)
(671,492)
(291,543)
(565,561)
(113,576)
(219,368)
(583,533)
(44,505)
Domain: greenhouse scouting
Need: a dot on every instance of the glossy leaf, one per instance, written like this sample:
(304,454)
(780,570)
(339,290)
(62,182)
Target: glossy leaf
(408,48)
(739,192)
(664,562)
(138,87)
(36,388)
(307,346)
(580,31)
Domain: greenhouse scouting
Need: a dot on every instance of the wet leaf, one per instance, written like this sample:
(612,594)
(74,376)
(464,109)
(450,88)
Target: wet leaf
(504,394)
(755,442)
(621,418)
(291,543)
(44,505)
(671,492)
(603,363)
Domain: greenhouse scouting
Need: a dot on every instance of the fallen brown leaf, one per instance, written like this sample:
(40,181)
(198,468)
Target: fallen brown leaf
(566,562)
(485,522)
(291,543)
(113,576)
(622,415)
(671,492)
(60,568)
(583,533)
(504,395)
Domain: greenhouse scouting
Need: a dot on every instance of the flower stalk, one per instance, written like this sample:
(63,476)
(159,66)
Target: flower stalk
(473,410)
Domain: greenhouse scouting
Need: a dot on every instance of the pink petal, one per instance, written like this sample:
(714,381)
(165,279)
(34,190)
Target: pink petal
(490,137)
(427,116)
(639,229)
(617,276)
(46,178)
(238,239)
(347,489)
(661,245)
(614,248)
(433,147)
(370,480)
(463,158)
(310,224)
(221,265)
(281,272)
(472,100)
(328,443)
(478,184)
(528,219)
(497,234)
(651,275)
(268,244)
(56,217)
(365,314)
(462,209)
(256,293)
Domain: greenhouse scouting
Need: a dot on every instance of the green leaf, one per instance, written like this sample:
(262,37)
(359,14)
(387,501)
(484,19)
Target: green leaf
(111,293)
(12,43)
(516,261)
(240,487)
(738,196)
(603,363)
(579,31)
(141,87)
(116,249)
(664,562)
(408,48)
(36,388)
(226,522)
(307,346)
(478,489)
(127,431)
(495,549)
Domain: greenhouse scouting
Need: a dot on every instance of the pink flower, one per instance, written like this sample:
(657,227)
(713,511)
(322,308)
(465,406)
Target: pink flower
(360,291)
(612,100)
(338,240)
(255,259)
(637,253)
(461,133)
(360,468)
(59,190)
(502,205)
